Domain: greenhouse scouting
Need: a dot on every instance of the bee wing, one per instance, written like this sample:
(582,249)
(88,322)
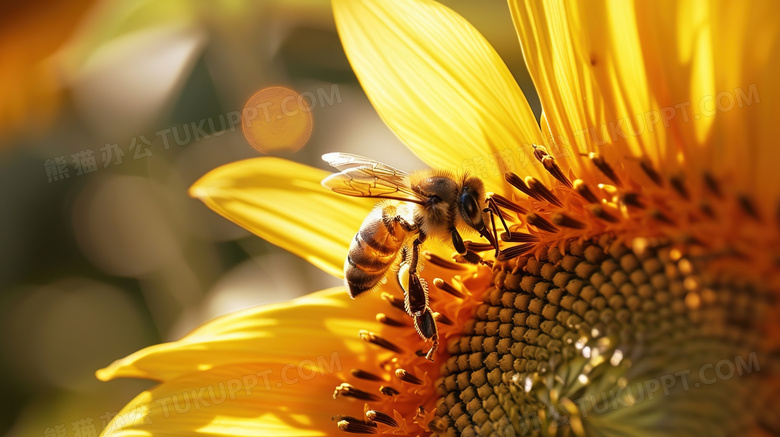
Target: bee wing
(364,177)
(345,161)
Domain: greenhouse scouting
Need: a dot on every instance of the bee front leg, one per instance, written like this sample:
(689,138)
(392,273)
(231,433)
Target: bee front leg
(460,247)
(457,242)
(494,210)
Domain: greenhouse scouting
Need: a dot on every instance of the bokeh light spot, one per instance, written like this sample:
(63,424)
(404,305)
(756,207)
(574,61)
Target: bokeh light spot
(276,119)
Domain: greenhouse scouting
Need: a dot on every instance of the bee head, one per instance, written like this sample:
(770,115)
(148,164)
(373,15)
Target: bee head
(472,208)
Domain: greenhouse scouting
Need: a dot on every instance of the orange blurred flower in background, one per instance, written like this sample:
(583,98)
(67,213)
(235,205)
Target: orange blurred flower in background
(30,33)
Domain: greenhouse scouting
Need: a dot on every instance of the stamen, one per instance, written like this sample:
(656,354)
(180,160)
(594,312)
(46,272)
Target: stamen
(712,184)
(389,391)
(605,168)
(469,258)
(679,185)
(647,166)
(478,247)
(584,191)
(561,219)
(372,338)
(405,376)
(540,223)
(599,212)
(632,199)
(394,301)
(441,318)
(378,416)
(515,251)
(441,262)
(611,190)
(349,391)
(707,209)
(747,205)
(660,216)
(519,237)
(515,181)
(540,153)
(356,426)
(444,286)
(505,203)
(389,321)
(537,186)
(362,374)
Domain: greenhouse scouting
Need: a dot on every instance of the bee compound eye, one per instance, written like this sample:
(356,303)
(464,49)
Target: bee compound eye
(469,205)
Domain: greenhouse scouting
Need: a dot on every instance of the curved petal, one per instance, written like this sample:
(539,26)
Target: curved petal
(440,86)
(586,63)
(717,62)
(283,202)
(317,325)
(261,399)
(688,84)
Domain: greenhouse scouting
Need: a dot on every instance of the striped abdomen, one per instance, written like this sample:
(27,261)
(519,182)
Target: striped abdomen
(374,249)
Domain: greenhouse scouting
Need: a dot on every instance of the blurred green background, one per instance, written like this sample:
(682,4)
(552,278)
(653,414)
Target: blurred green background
(115,256)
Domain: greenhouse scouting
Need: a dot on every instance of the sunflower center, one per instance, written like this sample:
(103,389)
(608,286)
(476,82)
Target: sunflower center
(607,340)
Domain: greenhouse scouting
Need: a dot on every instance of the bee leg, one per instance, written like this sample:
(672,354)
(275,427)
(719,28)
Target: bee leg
(408,227)
(471,257)
(416,295)
(425,325)
(493,210)
(465,254)
(416,301)
(457,242)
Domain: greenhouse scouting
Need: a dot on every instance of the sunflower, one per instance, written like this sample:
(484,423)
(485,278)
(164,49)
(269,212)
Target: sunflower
(635,288)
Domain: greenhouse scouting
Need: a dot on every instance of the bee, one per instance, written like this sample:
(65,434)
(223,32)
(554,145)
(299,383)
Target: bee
(416,207)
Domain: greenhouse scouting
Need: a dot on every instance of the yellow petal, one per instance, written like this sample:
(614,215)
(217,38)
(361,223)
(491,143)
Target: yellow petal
(718,60)
(440,86)
(319,324)
(260,399)
(586,63)
(284,203)
(689,84)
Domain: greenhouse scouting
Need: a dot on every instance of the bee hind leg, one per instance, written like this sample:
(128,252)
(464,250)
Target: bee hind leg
(416,294)
(426,327)
(416,297)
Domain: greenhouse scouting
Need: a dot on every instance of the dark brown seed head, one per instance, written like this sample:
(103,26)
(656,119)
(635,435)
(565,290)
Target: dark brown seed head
(608,335)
